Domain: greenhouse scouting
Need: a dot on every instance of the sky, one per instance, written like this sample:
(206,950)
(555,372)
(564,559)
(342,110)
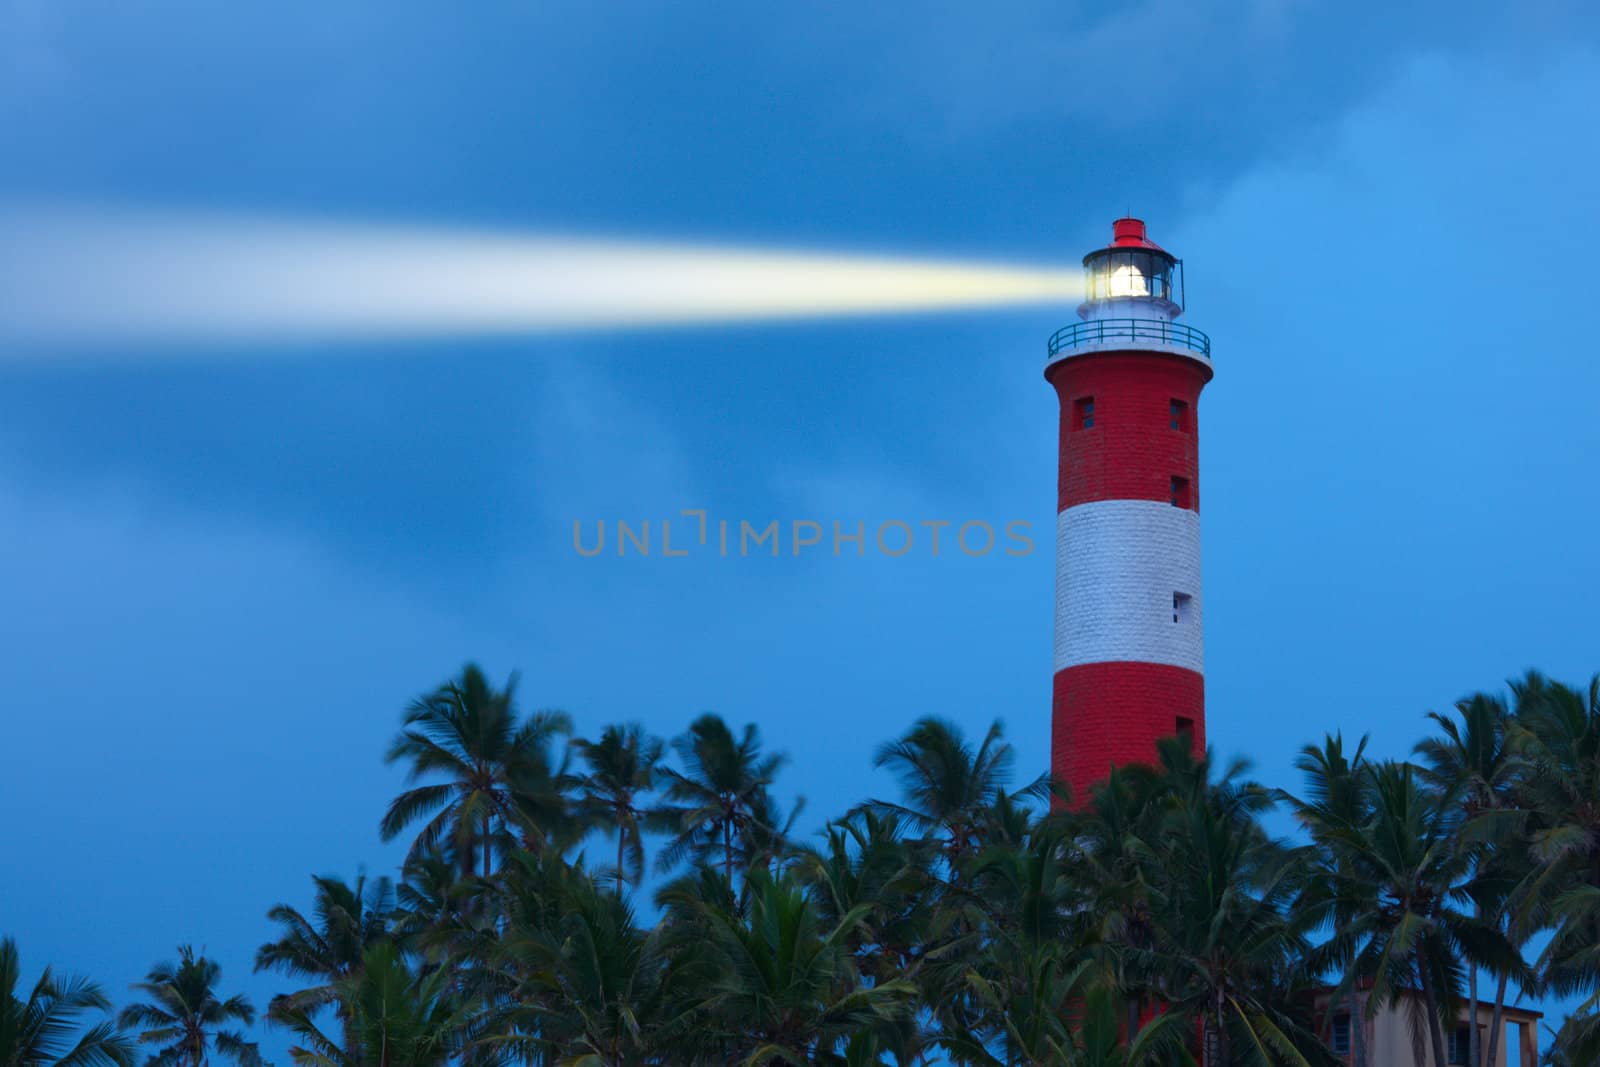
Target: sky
(225,575)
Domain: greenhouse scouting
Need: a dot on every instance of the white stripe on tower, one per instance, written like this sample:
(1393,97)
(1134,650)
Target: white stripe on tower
(1123,569)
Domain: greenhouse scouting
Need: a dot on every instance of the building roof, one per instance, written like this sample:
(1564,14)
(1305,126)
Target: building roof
(1484,1004)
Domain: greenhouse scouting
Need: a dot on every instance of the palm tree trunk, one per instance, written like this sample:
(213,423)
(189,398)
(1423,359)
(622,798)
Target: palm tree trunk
(622,838)
(1472,1015)
(1497,1018)
(1218,1054)
(487,848)
(347,1024)
(1473,1047)
(727,850)
(1430,999)
(1358,1029)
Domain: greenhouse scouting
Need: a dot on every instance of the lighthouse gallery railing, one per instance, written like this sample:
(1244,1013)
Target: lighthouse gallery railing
(1110,331)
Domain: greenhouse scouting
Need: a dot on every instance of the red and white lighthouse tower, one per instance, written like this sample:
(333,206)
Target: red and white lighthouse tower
(1128,649)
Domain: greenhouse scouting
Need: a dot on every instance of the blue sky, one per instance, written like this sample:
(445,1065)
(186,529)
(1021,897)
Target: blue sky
(224,577)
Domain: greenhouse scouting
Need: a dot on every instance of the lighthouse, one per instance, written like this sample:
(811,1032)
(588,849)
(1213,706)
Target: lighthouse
(1129,664)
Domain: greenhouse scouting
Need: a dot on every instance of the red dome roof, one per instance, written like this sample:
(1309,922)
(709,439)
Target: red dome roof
(1129,232)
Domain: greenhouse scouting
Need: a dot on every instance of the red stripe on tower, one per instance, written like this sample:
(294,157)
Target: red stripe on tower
(1129,665)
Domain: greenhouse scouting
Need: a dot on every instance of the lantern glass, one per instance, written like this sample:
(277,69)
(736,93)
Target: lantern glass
(1118,273)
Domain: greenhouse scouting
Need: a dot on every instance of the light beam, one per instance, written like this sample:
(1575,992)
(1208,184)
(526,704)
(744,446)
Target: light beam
(72,278)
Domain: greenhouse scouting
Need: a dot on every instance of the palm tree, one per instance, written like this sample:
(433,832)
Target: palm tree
(350,919)
(1474,761)
(397,1017)
(533,894)
(1578,1040)
(43,1030)
(437,912)
(1097,1040)
(1337,802)
(1115,842)
(622,768)
(768,839)
(1557,733)
(187,1017)
(1073,1023)
(720,800)
(499,775)
(596,988)
(868,863)
(788,991)
(1226,946)
(1412,858)
(1018,989)
(1572,1045)
(949,786)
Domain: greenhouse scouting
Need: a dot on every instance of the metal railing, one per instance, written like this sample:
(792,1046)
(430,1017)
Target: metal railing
(1110,331)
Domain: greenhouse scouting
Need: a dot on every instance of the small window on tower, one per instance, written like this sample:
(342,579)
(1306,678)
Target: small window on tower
(1084,413)
(1182,607)
(1178,416)
(1184,728)
(1180,493)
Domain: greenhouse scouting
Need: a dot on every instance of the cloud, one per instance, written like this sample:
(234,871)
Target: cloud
(1399,439)
(1181,90)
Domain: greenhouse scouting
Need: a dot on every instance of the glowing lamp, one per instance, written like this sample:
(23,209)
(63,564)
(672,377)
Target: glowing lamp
(1133,267)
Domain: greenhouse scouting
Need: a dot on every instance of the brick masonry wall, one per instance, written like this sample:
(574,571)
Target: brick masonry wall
(1132,452)
(1126,673)
(1118,564)
(1114,713)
